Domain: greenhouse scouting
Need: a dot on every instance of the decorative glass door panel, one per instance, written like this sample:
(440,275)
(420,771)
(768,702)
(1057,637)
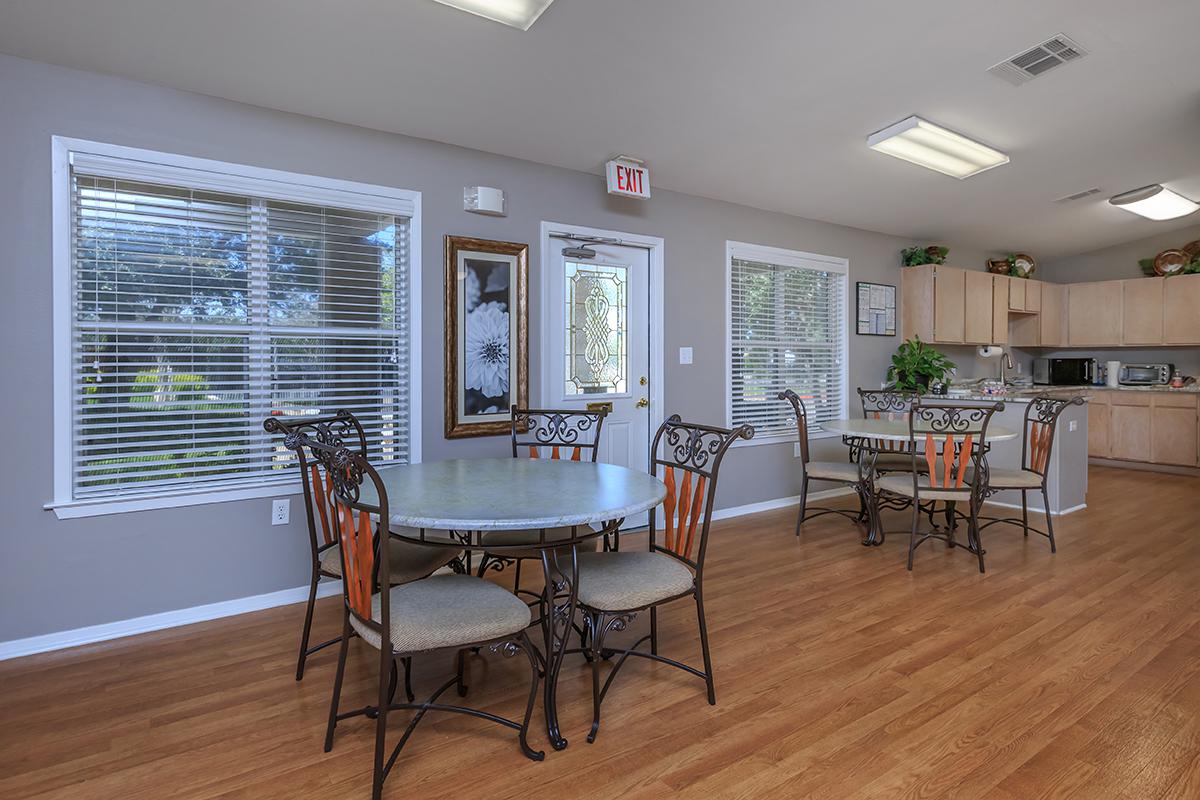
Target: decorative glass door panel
(597,329)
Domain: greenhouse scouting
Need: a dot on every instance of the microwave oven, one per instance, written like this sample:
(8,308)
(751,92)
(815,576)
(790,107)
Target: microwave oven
(1146,374)
(1064,371)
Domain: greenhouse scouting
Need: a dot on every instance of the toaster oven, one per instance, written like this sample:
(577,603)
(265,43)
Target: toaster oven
(1146,374)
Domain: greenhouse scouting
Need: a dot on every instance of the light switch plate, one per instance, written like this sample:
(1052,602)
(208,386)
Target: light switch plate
(685,355)
(1073,425)
(281,511)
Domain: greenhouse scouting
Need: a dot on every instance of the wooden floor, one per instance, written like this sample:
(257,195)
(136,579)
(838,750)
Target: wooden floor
(839,675)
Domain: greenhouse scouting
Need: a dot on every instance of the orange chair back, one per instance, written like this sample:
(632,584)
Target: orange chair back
(1041,421)
(555,433)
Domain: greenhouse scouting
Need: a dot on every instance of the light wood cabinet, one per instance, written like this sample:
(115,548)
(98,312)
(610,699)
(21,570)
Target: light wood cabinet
(1181,310)
(949,305)
(1016,294)
(1033,295)
(1094,313)
(999,309)
(1098,425)
(1142,311)
(1129,432)
(978,292)
(1174,430)
(1052,317)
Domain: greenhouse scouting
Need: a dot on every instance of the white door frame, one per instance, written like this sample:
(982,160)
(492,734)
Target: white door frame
(656,245)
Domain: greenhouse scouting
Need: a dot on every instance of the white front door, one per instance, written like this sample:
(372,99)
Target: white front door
(597,313)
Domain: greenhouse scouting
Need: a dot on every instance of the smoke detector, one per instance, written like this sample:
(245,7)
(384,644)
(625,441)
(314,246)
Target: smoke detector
(1038,60)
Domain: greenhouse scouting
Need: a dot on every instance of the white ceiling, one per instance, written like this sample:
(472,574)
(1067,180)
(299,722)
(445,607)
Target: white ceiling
(761,102)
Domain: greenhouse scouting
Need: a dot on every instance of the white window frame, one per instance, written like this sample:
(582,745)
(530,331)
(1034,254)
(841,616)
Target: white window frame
(166,168)
(784,258)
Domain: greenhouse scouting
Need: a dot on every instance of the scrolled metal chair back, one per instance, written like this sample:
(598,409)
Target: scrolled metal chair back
(801,413)
(951,438)
(341,429)
(558,430)
(689,449)
(355,512)
(886,404)
(1041,422)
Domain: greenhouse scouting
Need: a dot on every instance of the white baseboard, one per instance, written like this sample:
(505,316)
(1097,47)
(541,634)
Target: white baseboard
(156,622)
(1038,509)
(779,502)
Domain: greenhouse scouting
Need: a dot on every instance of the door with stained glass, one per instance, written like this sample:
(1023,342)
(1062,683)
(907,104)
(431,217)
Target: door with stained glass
(599,341)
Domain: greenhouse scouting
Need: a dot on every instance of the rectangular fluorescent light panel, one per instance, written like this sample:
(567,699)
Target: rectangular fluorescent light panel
(517,13)
(1155,202)
(920,142)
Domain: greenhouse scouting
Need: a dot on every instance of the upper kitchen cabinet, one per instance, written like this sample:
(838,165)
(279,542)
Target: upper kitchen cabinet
(1181,310)
(1094,314)
(933,303)
(1052,318)
(977,290)
(1024,295)
(1142,312)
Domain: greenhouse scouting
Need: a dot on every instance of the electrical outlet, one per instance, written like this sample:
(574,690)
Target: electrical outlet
(685,355)
(795,450)
(1018,366)
(281,511)
(1073,425)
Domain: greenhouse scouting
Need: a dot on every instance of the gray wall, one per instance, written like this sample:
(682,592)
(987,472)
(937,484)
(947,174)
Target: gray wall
(71,573)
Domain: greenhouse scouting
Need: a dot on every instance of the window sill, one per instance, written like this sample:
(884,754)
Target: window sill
(75,509)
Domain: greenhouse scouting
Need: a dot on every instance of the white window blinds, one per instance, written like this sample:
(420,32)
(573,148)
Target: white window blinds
(787,328)
(197,313)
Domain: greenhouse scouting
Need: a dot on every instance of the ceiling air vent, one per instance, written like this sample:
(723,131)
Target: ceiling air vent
(1079,195)
(1037,61)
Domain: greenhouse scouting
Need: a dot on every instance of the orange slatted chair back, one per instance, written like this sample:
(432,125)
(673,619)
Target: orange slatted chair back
(321,489)
(889,446)
(555,452)
(682,510)
(357,540)
(948,469)
(556,433)
(1041,434)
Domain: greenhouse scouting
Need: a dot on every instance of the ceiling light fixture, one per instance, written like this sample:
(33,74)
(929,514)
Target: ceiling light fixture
(1155,202)
(517,13)
(919,141)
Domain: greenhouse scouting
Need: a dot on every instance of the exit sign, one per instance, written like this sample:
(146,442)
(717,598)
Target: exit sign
(627,178)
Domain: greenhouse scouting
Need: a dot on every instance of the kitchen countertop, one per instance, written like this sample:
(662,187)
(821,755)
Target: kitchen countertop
(1025,394)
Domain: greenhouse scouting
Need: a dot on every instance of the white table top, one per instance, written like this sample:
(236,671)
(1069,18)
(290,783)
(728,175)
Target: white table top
(497,494)
(896,430)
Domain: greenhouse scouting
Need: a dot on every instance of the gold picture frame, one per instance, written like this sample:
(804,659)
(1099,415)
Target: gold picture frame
(487,335)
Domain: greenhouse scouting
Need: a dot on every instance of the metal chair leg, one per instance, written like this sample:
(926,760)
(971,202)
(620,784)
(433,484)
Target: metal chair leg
(597,625)
(654,630)
(517,577)
(708,670)
(1049,521)
(803,503)
(462,665)
(381,725)
(308,617)
(337,682)
(1025,512)
(976,533)
(912,536)
(536,755)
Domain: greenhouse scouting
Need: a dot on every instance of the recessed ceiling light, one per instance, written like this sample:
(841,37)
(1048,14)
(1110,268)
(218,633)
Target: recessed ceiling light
(517,13)
(1155,202)
(920,142)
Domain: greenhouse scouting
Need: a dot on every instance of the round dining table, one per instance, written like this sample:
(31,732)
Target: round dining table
(453,504)
(864,436)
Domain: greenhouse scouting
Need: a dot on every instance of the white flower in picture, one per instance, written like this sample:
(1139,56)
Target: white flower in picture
(487,350)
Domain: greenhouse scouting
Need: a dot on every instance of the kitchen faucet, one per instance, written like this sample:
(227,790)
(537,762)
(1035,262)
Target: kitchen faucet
(1006,363)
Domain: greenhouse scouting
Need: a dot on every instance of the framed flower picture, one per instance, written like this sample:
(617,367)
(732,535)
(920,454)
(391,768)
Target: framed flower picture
(487,335)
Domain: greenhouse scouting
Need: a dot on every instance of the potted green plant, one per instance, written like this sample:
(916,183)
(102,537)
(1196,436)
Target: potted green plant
(916,256)
(915,365)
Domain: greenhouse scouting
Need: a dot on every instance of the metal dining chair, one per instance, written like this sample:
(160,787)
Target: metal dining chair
(846,473)
(442,613)
(542,433)
(1037,442)
(888,404)
(952,440)
(614,586)
(408,561)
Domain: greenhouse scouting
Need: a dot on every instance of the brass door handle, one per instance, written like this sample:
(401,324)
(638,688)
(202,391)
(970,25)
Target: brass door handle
(642,403)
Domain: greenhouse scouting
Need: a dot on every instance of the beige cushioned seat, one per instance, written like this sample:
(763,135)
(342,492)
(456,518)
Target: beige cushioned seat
(446,611)
(1013,479)
(843,472)
(407,561)
(897,461)
(628,580)
(498,538)
(903,485)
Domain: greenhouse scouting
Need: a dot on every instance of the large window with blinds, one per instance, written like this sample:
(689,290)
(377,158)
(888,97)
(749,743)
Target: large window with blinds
(203,300)
(787,326)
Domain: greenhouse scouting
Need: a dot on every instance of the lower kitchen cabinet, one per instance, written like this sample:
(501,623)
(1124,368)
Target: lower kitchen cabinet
(1098,427)
(1148,427)
(1174,437)
(1129,432)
